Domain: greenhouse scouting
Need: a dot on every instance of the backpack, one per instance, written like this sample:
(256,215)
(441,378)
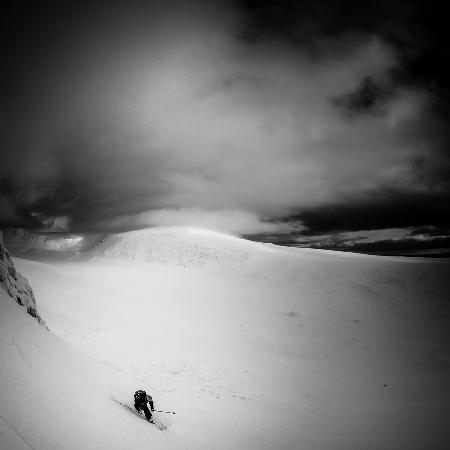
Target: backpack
(140,396)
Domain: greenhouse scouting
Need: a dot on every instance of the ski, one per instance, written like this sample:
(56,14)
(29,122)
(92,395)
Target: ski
(158,425)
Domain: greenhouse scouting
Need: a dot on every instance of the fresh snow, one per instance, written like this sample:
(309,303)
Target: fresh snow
(254,346)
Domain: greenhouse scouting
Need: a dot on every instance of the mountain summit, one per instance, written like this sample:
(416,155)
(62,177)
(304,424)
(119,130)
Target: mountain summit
(181,246)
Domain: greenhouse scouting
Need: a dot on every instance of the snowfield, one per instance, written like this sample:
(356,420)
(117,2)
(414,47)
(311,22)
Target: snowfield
(254,346)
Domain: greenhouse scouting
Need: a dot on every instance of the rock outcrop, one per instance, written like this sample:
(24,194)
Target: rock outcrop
(16,285)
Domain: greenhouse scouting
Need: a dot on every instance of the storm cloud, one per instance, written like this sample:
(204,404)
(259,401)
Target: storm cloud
(135,114)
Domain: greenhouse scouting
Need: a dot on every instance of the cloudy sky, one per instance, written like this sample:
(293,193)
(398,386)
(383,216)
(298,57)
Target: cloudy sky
(291,121)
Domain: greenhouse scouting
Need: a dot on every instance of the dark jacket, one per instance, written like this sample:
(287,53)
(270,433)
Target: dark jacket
(142,400)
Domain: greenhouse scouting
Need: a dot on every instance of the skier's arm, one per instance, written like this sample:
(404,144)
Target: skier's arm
(150,401)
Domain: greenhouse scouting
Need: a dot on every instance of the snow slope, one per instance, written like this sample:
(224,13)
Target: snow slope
(182,246)
(254,345)
(53,397)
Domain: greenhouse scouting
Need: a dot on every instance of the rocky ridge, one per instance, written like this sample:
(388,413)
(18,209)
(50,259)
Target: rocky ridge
(16,285)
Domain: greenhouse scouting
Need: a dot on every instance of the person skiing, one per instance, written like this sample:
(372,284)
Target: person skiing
(141,398)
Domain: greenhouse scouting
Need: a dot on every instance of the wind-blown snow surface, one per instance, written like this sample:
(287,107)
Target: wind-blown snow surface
(253,345)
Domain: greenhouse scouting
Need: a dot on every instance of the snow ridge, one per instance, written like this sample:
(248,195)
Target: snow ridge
(16,285)
(181,246)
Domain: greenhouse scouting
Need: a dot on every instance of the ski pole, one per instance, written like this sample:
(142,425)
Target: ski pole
(167,412)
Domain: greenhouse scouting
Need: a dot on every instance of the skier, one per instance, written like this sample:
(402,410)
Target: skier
(140,402)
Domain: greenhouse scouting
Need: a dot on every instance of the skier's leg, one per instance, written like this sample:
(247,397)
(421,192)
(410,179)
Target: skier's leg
(148,414)
(136,407)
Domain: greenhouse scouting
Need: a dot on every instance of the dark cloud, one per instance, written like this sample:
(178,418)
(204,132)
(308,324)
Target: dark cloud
(367,98)
(395,210)
(260,116)
(418,30)
(311,24)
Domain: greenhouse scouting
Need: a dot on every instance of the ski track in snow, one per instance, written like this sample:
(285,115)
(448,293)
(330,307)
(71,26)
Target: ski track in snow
(22,354)
(16,431)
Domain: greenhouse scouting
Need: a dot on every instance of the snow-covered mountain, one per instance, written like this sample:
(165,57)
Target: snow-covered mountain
(253,345)
(16,285)
(182,246)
